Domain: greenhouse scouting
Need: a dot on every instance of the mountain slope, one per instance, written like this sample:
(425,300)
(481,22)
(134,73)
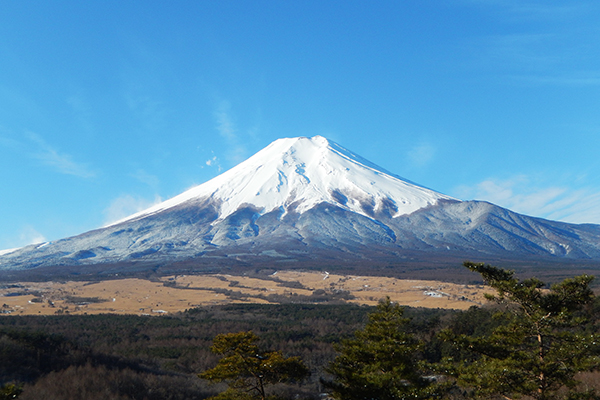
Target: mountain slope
(310,202)
(299,173)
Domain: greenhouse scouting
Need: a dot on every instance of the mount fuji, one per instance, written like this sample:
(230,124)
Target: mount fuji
(310,203)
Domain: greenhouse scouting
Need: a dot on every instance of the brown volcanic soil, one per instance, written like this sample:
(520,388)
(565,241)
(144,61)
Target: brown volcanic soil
(177,293)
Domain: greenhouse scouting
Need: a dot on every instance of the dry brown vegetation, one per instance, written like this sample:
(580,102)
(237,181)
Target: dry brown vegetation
(177,293)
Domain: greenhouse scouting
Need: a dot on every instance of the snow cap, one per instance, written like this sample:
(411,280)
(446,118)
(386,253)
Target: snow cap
(305,172)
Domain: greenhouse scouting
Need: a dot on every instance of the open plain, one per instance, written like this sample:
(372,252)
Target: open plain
(178,293)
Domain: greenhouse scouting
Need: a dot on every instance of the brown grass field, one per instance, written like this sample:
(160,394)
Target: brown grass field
(178,293)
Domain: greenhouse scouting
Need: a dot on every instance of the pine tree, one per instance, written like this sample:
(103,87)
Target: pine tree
(541,344)
(380,362)
(249,369)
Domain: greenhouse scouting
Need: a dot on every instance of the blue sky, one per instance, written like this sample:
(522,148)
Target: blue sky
(107,107)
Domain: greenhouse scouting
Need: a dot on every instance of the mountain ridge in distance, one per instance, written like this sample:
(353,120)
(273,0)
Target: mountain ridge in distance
(310,203)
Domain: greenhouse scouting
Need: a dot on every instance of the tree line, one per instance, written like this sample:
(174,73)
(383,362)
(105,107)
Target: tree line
(531,341)
(536,351)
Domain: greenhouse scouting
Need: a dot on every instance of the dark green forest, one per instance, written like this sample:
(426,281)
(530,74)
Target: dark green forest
(159,357)
(483,352)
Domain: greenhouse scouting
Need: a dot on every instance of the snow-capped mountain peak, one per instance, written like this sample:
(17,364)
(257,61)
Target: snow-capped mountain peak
(299,173)
(308,202)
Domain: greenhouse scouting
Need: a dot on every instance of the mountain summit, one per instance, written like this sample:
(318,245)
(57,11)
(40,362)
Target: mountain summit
(309,203)
(298,174)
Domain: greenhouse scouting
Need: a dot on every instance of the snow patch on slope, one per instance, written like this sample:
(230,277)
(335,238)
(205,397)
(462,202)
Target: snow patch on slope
(8,251)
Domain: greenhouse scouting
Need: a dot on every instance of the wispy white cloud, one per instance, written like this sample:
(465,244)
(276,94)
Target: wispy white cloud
(536,59)
(22,237)
(225,123)
(26,235)
(421,154)
(542,43)
(29,235)
(582,206)
(226,127)
(214,162)
(142,86)
(149,111)
(141,175)
(126,205)
(521,194)
(211,161)
(61,162)
(521,51)
(591,78)
(534,10)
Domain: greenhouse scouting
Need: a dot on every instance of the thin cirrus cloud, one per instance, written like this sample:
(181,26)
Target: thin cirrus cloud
(547,50)
(224,120)
(227,130)
(142,176)
(542,11)
(582,78)
(126,205)
(522,57)
(522,195)
(55,159)
(27,235)
(422,154)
